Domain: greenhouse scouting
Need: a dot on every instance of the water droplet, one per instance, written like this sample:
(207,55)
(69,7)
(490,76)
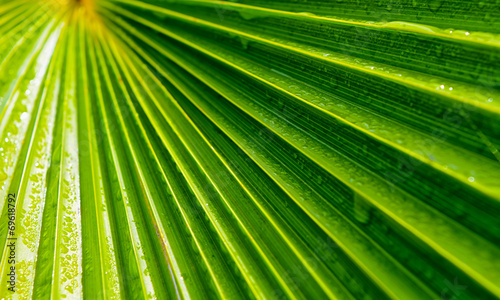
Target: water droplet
(471,179)
(434,5)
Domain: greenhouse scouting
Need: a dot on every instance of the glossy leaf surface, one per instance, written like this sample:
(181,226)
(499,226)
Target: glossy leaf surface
(250,149)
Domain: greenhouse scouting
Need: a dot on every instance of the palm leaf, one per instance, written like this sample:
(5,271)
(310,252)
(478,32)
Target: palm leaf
(249,149)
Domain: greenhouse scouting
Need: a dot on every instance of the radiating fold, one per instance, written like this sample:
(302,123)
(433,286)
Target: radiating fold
(250,149)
